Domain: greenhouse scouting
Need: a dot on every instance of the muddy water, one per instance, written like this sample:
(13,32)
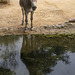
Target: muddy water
(37,55)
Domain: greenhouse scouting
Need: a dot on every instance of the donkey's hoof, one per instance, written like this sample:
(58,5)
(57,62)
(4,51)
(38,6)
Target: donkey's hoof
(22,23)
(25,29)
(31,29)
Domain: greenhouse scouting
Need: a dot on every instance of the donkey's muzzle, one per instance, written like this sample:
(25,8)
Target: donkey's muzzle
(34,8)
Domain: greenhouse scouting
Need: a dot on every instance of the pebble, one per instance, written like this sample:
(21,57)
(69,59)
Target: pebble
(72,20)
(58,26)
(62,26)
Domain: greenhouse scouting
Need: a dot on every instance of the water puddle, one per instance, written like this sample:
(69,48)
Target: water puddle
(37,55)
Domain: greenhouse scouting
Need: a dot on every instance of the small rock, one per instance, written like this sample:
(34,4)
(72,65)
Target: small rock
(62,26)
(53,26)
(6,29)
(72,20)
(58,26)
(22,27)
(35,30)
(45,27)
(65,22)
(12,29)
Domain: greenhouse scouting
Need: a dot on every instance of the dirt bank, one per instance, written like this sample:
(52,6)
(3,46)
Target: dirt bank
(49,18)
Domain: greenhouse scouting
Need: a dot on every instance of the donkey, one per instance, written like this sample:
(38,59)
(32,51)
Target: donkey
(28,6)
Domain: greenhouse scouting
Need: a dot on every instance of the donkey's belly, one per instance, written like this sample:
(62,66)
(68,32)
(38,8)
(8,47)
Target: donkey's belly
(29,10)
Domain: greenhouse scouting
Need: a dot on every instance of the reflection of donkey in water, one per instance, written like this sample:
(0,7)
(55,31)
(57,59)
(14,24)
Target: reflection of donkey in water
(28,6)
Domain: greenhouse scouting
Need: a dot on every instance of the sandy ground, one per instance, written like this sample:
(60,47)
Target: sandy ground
(48,13)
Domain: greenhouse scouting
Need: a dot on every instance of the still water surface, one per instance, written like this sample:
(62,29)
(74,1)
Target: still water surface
(37,55)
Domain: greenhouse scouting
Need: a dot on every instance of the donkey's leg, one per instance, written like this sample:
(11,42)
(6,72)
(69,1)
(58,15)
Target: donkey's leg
(26,19)
(23,12)
(32,20)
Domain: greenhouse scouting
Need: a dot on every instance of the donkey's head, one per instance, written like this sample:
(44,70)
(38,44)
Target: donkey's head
(33,4)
